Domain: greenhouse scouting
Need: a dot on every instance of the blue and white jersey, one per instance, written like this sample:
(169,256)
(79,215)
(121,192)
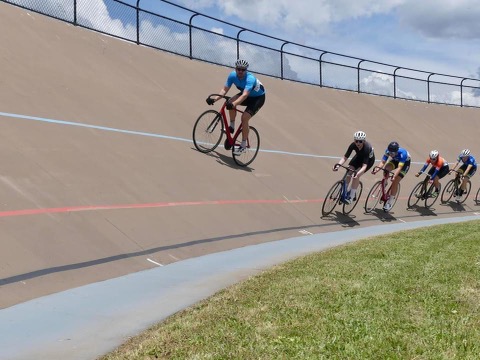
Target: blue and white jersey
(401,156)
(249,83)
(470,161)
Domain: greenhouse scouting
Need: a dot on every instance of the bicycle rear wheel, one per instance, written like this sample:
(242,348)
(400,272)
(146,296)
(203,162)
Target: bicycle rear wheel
(208,131)
(332,198)
(430,199)
(253,145)
(373,197)
(348,208)
(448,191)
(477,197)
(415,195)
(465,193)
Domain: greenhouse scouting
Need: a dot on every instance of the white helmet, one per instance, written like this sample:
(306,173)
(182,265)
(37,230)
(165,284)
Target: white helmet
(359,135)
(433,154)
(240,63)
(465,152)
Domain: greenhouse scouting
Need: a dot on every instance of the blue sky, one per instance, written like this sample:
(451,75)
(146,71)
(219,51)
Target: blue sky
(440,36)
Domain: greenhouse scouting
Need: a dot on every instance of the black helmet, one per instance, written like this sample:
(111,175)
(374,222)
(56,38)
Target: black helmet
(393,146)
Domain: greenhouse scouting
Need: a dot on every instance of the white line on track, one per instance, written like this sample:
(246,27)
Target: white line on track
(154,262)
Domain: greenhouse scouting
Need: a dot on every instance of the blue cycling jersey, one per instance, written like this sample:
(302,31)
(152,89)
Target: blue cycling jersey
(470,161)
(249,83)
(401,156)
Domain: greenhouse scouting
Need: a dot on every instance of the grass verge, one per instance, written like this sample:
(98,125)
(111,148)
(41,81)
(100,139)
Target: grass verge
(408,295)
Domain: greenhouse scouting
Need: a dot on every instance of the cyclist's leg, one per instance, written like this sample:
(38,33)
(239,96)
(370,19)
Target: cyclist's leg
(253,105)
(461,170)
(233,113)
(355,164)
(441,174)
(466,178)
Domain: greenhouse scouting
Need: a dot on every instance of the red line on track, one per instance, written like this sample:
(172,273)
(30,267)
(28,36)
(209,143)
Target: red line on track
(23,212)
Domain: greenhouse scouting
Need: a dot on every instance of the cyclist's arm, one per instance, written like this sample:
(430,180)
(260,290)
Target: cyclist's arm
(362,170)
(222,92)
(242,97)
(398,169)
(342,160)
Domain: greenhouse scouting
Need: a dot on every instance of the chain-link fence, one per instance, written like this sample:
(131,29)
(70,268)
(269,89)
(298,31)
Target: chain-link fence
(163,25)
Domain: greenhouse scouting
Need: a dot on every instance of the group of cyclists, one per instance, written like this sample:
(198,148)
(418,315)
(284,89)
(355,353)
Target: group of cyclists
(397,160)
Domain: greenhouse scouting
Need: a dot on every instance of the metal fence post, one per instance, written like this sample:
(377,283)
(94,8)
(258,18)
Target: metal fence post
(428,87)
(358,75)
(320,62)
(461,91)
(281,59)
(190,34)
(395,82)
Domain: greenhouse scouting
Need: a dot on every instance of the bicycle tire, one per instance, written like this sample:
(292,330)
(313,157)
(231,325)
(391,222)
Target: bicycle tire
(466,193)
(374,196)
(348,208)
(477,197)
(448,191)
(429,199)
(413,199)
(332,198)
(208,131)
(253,145)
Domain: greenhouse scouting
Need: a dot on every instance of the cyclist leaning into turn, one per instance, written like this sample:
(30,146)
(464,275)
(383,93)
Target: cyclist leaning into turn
(362,161)
(399,162)
(438,170)
(467,169)
(251,95)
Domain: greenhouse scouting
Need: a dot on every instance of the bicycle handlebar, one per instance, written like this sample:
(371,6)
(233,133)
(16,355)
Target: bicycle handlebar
(391,173)
(347,168)
(222,96)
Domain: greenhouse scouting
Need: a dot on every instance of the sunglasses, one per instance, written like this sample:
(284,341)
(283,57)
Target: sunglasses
(241,69)
(359,141)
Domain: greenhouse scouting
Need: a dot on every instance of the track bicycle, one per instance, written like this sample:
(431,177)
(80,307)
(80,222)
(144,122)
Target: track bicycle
(338,194)
(380,191)
(453,186)
(210,127)
(424,191)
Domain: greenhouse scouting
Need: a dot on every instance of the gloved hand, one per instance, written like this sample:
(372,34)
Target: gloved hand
(229,105)
(210,101)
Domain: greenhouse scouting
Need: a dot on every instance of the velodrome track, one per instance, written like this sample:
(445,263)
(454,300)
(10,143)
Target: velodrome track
(100,178)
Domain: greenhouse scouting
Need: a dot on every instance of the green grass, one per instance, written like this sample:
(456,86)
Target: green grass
(408,295)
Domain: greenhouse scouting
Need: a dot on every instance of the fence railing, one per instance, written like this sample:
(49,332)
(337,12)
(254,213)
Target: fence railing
(163,25)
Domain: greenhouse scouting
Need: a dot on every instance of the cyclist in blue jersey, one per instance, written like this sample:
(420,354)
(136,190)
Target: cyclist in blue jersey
(251,95)
(468,169)
(399,162)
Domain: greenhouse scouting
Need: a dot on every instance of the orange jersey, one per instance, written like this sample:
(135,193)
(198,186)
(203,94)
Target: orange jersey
(438,164)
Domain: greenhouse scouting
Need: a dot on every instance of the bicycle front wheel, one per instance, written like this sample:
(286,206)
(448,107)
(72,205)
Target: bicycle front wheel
(208,131)
(250,153)
(448,191)
(332,198)
(430,196)
(348,208)
(415,195)
(373,197)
